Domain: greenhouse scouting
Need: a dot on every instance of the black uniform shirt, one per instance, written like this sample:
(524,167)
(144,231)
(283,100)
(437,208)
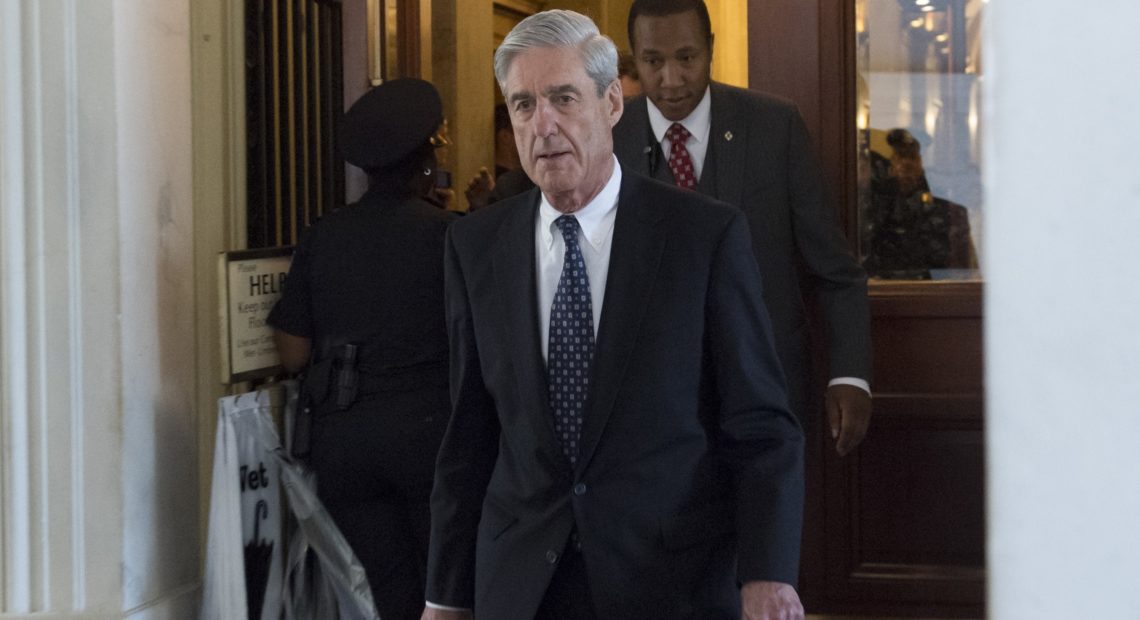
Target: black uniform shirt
(371,273)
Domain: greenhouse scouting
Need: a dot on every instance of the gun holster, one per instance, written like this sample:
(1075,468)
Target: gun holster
(330,384)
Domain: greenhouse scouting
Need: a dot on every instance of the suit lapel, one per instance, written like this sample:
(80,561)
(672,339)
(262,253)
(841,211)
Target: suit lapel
(728,140)
(514,267)
(634,260)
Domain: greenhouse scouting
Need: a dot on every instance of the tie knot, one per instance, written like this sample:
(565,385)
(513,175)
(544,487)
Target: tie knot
(677,133)
(568,224)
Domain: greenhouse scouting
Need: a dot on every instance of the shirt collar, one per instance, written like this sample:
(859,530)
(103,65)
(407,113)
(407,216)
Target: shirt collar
(594,218)
(697,122)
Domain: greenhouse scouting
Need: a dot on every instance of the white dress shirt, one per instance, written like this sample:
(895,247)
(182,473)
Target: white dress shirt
(595,238)
(699,124)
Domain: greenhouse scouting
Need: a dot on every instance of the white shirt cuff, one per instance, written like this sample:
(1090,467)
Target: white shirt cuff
(444,607)
(856,381)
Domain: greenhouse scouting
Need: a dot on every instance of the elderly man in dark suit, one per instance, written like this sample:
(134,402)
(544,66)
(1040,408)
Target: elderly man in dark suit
(620,443)
(752,151)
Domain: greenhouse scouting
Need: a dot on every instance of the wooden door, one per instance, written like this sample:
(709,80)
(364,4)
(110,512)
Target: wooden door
(896,528)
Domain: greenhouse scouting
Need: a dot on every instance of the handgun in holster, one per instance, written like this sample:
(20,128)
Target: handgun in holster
(347,376)
(302,426)
(331,382)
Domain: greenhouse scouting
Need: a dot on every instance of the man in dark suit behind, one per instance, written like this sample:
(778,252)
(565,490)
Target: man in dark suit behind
(752,151)
(620,443)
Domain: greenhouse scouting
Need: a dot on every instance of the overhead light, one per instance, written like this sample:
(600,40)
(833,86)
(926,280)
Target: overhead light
(922,2)
(917,22)
(928,8)
(942,37)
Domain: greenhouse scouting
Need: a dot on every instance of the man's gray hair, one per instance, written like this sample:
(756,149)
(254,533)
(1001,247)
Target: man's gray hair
(559,28)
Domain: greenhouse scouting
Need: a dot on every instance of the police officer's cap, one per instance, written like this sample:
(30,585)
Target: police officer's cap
(390,122)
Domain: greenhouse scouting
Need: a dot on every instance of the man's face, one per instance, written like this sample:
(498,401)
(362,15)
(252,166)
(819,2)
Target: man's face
(562,128)
(908,170)
(673,60)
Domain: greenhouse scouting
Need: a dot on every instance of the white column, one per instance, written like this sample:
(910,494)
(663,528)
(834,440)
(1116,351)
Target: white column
(15,587)
(98,456)
(58,319)
(1062,172)
(60,297)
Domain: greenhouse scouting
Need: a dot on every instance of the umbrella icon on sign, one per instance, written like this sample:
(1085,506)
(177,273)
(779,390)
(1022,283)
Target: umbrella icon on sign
(257,555)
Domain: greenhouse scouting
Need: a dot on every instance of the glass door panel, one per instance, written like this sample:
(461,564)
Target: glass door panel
(918,91)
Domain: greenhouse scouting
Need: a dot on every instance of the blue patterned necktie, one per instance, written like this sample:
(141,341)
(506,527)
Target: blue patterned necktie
(571,342)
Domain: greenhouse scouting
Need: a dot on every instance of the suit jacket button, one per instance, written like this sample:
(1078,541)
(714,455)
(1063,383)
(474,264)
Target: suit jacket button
(580,488)
(551,557)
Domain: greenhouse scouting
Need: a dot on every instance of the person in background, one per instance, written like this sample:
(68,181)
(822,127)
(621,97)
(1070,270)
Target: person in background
(509,179)
(620,444)
(907,231)
(753,151)
(362,317)
(506,153)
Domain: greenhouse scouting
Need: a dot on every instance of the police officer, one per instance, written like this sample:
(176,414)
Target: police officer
(363,315)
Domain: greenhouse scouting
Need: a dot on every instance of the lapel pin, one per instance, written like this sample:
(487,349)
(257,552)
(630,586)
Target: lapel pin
(728,136)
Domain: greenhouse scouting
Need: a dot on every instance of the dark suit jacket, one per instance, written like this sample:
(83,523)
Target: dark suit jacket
(760,159)
(690,458)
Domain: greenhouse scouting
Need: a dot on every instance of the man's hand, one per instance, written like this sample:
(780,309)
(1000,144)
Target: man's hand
(430,613)
(442,197)
(478,190)
(770,600)
(849,414)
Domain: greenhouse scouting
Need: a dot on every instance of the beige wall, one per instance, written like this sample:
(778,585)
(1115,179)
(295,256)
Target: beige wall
(730,27)
(461,48)
(609,15)
(218,96)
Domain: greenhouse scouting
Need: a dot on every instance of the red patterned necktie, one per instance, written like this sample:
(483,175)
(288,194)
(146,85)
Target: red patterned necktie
(679,161)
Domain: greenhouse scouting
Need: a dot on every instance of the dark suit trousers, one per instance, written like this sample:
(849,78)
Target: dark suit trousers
(391,541)
(568,595)
(374,467)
